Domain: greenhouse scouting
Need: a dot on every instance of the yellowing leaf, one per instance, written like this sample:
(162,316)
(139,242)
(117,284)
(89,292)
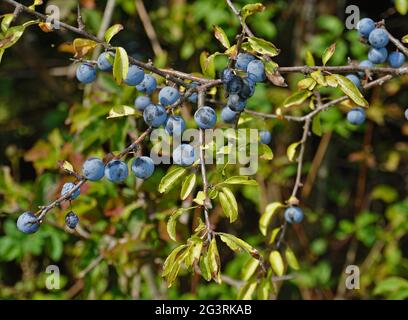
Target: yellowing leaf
(35,3)
(171,224)
(200,198)
(265,152)
(6,21)
(247,290)
(276,262)
(82,46)
(120,65)
(122,111)
(319,78)
(309,60)
(236,244)
(401,6)
(214,261)
(263,47)
(249,269)
(291,151)
(112,31)
(266,217)
(305,83)
(250,9)
(405,39)
(219,33)
(244,180)
(328,53)
(67,166)
(350,89)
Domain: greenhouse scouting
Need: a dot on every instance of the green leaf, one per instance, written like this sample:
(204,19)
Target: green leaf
(246,292)
(205,267)
(391,285)
(200,198)
(263,290)
(350,89)
(291,151)
(168,181)
(123,111)
(266,217)
(169,262)
(120,65)
(83,46)
(220,35)
(171,224)
(309,60)
(249,269)
(11,37)
(187,186)
(112,31)
(297,98)
(291,259)
(35,3)
(245,180)
(263,47)
(265,152)
(328,53)
(401,6)
(276,262)
(214,261)
(6,21)
(316,125)
(228,203)
(250,9)
(236,244)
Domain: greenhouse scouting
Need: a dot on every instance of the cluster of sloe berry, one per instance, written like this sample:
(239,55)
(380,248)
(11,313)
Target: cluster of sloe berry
(378,39)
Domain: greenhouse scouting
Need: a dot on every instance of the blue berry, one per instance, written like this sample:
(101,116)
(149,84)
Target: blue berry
(378,38)
(175,125)
(356,116)
(365,64)
(67,187)
(396,59)
(256,70)
(365,26)
(86,73)
(377,56)
(105,61)
(27,222)
(116,171)
(148,85)
(234,85)
(205,117)
(226,75)
(135,75)
(236,103)
(168,96)
(142,102)
(243,59)
(93,169)
(265,137)
(142,167)
(154,115)
(293,215)
(355,80)
(228,115)
(193,98)
(71,220)
(184,155)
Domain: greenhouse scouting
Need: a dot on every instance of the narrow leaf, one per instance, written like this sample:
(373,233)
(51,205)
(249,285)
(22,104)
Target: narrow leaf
(291,151)
(350,89)
(187,186)
(168,181)
(266,217)
(291,259)
(250,9)
(328,53)
(120,65)
(297,98)
(229,204)
(276,262)
(112,31)
(219,33)
(83,46)
(263,47)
